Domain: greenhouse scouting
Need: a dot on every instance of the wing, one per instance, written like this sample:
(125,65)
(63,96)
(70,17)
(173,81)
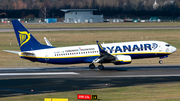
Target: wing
(108,58)
(104,56)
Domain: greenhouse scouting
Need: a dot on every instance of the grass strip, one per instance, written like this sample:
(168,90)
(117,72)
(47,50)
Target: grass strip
(148,92)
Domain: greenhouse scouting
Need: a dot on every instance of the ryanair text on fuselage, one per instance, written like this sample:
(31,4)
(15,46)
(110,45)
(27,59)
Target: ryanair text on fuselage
(130,48)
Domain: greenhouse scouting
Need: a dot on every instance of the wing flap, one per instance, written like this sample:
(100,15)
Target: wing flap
(17,52)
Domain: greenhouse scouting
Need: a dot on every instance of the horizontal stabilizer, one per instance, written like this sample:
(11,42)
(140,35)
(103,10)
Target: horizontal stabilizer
(16,52)
(27,53)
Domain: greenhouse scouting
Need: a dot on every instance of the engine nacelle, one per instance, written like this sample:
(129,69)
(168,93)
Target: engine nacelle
(122,59)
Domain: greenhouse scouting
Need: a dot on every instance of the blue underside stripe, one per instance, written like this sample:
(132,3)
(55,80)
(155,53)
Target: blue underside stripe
(85,59)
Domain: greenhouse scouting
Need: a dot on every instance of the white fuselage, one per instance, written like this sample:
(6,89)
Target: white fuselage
(87,53)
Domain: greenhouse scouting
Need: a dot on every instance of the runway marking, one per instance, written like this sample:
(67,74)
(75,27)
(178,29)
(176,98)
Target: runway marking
(16,90)
(168,75)
(54,73)
(19,68)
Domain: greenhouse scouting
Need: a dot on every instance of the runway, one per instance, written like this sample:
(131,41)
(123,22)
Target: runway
(91,28)
(20,81)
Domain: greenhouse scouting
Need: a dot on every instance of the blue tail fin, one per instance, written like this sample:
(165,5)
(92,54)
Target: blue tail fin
(25,39)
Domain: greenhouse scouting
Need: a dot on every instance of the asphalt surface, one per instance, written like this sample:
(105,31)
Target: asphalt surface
(20,81)
(91,28)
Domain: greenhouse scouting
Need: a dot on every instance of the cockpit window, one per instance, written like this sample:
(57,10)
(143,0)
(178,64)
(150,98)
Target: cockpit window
(168,45)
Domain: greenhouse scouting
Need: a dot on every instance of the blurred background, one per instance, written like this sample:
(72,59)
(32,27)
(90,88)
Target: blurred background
(30,11)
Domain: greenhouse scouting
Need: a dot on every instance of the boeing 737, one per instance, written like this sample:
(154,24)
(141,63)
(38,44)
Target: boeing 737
(116,53)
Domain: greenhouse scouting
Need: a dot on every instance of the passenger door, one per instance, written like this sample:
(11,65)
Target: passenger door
(46,57)
(160,47)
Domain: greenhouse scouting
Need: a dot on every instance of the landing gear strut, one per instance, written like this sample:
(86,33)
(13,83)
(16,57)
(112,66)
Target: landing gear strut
(92,66)
(101,67)
(160,61)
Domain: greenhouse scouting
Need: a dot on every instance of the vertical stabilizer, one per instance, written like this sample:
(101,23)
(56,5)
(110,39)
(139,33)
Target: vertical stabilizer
(25,39)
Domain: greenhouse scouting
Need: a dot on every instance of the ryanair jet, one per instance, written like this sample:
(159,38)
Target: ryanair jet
(116,53)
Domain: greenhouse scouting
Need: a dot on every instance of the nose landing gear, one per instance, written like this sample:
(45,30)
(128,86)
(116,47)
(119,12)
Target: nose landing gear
(160,61)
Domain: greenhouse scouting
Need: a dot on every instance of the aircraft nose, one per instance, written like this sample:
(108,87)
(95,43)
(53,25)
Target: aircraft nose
(173,49)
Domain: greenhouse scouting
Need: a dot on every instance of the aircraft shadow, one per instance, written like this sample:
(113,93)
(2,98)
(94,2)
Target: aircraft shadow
(14,87)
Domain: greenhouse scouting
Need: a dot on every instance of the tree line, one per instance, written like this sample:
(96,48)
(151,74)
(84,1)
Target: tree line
(109,8)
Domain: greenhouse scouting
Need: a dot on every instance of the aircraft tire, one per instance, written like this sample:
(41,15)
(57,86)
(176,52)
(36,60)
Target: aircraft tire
(101,67)
(92,66)
(160,61)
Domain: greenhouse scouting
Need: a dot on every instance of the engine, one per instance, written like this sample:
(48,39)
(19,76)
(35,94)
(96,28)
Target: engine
(122,59)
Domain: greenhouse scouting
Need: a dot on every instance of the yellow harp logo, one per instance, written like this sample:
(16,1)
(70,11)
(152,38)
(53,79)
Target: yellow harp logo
(24,37)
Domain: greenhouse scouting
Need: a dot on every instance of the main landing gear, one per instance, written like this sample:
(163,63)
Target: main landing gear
(92,66)
(101,67)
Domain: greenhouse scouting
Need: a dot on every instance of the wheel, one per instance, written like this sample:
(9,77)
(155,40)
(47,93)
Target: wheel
(92,66)
(160,61)
(101,67)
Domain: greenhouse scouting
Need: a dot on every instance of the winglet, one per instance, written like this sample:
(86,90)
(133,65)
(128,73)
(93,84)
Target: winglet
(101,49)
(47,42)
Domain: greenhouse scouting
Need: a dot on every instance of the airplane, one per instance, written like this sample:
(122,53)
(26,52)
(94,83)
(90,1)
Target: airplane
(116,53)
